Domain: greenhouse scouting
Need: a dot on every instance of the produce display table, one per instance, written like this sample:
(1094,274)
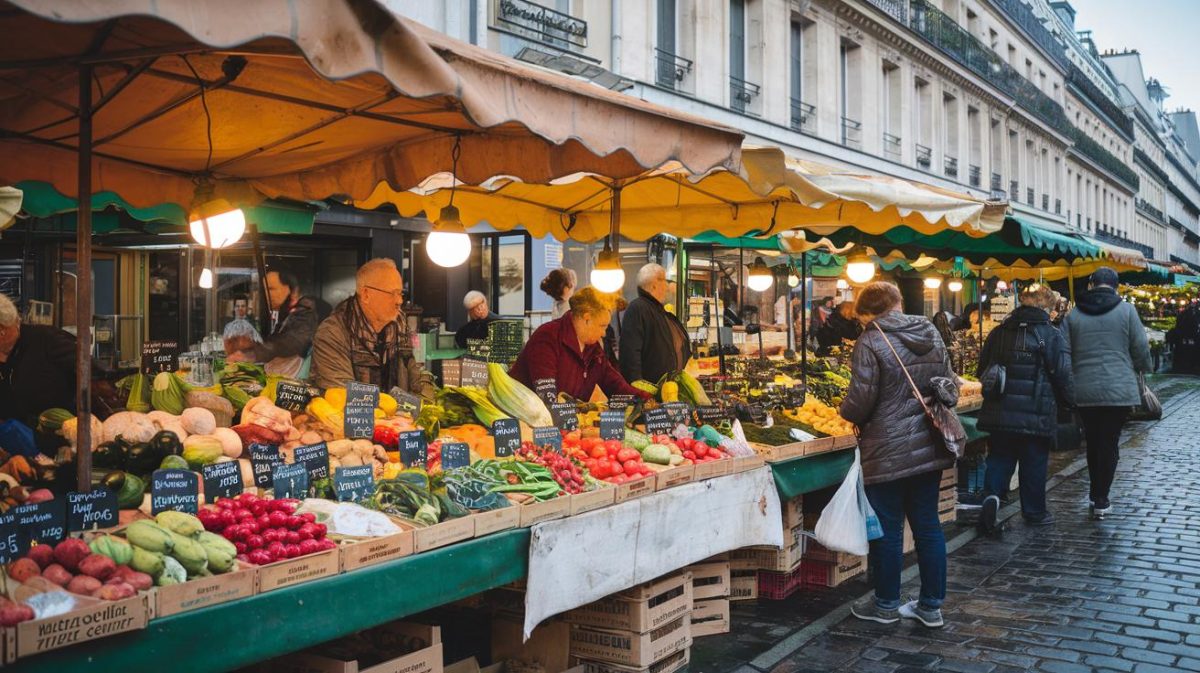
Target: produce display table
(238,633)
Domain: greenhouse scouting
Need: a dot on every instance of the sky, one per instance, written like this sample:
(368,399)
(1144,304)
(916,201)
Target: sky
(1164,31)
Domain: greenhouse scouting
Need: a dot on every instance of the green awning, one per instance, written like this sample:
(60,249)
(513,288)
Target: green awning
(41,200)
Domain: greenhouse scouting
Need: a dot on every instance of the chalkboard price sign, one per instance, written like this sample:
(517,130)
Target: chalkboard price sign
(474,372)
(507,433)
(294,396)
(455,454)
(658,421)
(315,459)
(621,402)
(14,540)
(160,356)
(565,416)
(547,389)
(174,490)
(44,522)
(406,402)
(290,481)
(550,436)
(359,415)
(679,412)
(413,449)
(711,414)
(95,509)
(221,480)
(263,459)
(612,424)
(353,484)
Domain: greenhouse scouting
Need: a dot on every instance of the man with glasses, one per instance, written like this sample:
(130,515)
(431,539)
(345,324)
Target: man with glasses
(366,339)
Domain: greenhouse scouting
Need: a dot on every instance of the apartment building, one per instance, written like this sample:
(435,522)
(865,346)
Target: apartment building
(996,98)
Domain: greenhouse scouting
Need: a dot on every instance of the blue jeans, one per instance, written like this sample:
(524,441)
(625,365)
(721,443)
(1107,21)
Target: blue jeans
(1007,452)
(914,498)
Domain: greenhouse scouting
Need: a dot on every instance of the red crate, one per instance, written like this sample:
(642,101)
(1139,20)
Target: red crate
(777,586)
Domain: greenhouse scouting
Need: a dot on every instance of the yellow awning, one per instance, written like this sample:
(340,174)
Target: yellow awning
(771,194)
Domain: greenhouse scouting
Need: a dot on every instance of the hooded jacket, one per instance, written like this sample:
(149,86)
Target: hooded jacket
(1108,349)
(1038,377)
(894,437)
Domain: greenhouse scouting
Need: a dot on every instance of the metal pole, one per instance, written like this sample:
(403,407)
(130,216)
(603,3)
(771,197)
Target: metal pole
(803,345)
(83,287)
(264,320)
(787,311)
(720,315)
(979,302)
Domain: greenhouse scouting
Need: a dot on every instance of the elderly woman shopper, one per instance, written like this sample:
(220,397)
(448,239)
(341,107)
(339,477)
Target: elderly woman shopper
(901,461)
(568,351)
(1026,366)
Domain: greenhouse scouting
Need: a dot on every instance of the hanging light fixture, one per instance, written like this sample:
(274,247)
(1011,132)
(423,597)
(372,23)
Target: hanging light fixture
(449,245)
(955,286)
(206,278)
(607,275)
(933,282)
(842,284)
(793,280)
(1001,286)
(860,269)
(214,223)
(759,276)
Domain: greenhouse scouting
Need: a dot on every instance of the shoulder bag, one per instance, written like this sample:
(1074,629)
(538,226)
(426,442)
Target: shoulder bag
(1150,409)
(944,425)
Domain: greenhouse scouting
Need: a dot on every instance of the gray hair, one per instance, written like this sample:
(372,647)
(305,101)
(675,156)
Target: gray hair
(8,312)
(372,267)
(472,298)
(650,273)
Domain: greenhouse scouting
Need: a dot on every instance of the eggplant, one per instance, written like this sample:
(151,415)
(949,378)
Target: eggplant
(114,481)
(111,455)
(166,443)
(143,458)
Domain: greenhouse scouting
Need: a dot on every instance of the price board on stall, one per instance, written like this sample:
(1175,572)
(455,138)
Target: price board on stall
(622,402)
(455,454)
(547,389)
(507,434)
(548,436)
(355,483)
(174,490)
(413,449)
(680,413)
(658,421)
(294,396)
(712,414)
(359,415)
(474,372)
(290,481)
(263,459)
(612,425)
(221,480)
(94,509)
(406,401)
(565,416)
(14,540)
(44,522)
(315,458)
(160,356)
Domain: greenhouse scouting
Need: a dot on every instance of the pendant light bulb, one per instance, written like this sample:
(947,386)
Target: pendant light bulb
(955,286)
(608,276)
(1001,286)
(793,280)
(860,269)
(449,245)
(206,279)
(225,224)
(758,276)
(933,282)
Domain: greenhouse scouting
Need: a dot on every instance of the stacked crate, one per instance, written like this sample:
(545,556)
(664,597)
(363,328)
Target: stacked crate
(772,568)
(948,496)
(710,596)
(646,629)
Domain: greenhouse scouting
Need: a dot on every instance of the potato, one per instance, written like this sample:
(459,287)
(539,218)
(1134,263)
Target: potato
(57,574)
(98,566)
(43,554)
(15,614)
(23,569)
(310,437)
(114,592)
(83,585)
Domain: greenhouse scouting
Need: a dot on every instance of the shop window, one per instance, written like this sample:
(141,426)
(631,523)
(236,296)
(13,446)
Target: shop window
(890,111)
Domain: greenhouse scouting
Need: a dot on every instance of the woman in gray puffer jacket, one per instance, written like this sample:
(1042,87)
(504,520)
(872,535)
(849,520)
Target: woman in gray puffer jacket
(902,464)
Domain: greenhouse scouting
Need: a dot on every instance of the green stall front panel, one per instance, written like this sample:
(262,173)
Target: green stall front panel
(810,473)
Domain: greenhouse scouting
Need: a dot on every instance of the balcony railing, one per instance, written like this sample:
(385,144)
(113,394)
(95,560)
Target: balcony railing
(924,156)
(1145,206)
(742,93)
(1045,202)
(851,133)
(1029,195)
(1058,206)
(996,182)
(891,146)
(1112,110)
(672,68)
(974,175)
(950,166)
(548,25)
(897,9)
(1105,159)
(804,116)
(1024,17)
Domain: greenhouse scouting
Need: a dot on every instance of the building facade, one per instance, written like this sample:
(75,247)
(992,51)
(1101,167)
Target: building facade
(996,98)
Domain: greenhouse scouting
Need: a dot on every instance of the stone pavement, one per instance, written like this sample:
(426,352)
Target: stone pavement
(1118,595)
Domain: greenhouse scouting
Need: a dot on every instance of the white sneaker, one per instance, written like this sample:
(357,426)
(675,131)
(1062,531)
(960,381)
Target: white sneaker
(931,618)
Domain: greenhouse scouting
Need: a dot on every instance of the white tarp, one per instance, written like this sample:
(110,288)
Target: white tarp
(581,559)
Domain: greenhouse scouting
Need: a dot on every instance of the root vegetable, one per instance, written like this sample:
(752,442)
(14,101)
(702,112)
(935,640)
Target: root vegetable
(83,585)
(56,574)
(310,437)
(114,592)
(98,566)
(23,569)
(43,554)
(11,615)
(70,552)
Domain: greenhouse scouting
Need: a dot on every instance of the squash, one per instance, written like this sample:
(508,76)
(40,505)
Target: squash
(50,421)
(130,495)
(18,468)
(201,450)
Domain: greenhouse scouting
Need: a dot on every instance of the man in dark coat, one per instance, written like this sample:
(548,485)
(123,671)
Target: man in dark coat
(37,367)
(841,325)
(1023,416)
(291,337)
(653,342)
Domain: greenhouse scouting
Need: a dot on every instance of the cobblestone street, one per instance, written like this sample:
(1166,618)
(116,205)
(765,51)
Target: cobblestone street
(1118,595)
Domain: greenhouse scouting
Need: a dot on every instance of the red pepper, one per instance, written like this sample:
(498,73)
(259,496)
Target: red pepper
(386,436)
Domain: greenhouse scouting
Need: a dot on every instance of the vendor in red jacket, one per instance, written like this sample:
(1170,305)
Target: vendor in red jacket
(568,351)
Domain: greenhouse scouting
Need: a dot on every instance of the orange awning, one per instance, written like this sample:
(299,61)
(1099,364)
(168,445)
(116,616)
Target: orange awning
(307,100)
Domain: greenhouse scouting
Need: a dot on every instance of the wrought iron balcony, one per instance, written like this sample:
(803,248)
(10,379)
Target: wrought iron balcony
(974,175)
(1146,207)
(1105,159)
(804,116)
(742,93)
(851,133)
(1024,17)
(548,25)
(924,156)
(891,146)
(1029,195)
(1112,110)
(1123,241)
(897,9)
(996,182)
(671,68)
(950,165)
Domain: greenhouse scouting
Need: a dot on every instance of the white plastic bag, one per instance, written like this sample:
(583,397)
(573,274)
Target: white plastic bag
(843,524)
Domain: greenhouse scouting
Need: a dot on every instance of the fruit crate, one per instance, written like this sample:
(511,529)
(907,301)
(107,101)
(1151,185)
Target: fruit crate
(777,586)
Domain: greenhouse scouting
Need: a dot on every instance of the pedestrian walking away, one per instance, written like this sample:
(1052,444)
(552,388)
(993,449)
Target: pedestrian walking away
(1108,350)
(1026,365)
(901,461)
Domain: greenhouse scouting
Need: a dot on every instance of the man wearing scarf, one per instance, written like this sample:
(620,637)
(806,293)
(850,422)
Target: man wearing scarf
(365,338)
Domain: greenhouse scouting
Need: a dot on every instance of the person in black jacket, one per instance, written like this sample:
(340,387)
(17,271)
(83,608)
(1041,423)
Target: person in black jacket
(479,316)
(1021,413)
(291,337)
(653,342)
(841,324)
(37,367)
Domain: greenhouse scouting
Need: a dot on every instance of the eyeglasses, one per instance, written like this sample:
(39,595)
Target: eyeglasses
(396,294)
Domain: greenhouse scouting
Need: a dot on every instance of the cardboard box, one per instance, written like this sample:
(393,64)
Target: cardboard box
(399,647)
(832,574)
(92,619)
(822,445)
(743,580)
(709,580)
(745,464)
(548,645)
(442,534)
(204,592)
(668,664)
(368,551)
(592,500)
(773,558)
(710,617)
(629,648)
(844,442)
(676,476)
(496,520)
(640,609)
(299,570)
(548,510)
(637,488)
(715,468)
(793,512)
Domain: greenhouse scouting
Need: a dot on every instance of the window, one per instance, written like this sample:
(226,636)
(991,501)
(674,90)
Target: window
(972,23)
(890,111)
(974,146)
(851,94)
(801,75)
(923,121)
(950,134)
(737,55)
(1012,56)
(667,54)
(1014,166)
(994,40)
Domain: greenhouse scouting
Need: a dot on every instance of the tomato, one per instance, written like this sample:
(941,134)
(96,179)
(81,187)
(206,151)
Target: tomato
(598,451)
(613,445)
(625,455)
(689,455)
(571,437)
(588,442)
(700,449)
(617,467)
(633,467)
(603,468)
